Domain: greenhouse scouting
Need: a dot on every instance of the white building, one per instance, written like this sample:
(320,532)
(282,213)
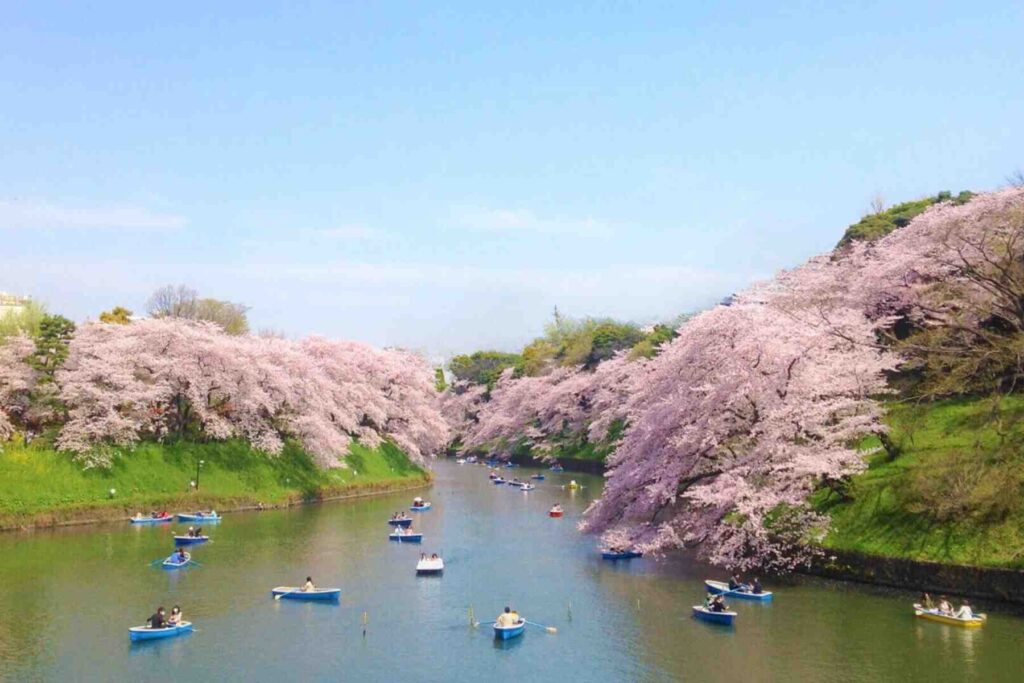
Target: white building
(10,303)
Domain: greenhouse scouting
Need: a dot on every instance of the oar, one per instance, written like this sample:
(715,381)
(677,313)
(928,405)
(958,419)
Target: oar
(549,629)
(281,595)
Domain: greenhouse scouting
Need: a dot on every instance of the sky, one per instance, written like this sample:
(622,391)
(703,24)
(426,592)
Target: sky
(440,176)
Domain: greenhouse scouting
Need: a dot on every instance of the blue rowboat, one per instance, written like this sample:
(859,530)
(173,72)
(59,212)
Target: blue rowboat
(151,520)
(498,481)
(704,614)
(173,563)
(509,632)
(406,538)
(742,593)
(147,633)
(400,522)
(510,465)
(538,477)
(199,518)
(420,508)
(190,540)
(624,555)
(296,593)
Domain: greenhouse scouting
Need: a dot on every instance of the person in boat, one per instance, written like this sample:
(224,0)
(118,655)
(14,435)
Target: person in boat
(926,601)
(191,532)
(965,611)
(506,619)
(308,587)
(944,606)
(435,558)
(175,619)
(158,620)
(734,582)
(179,555)
(199,532)
(755,586)
(718,604)
(556,508)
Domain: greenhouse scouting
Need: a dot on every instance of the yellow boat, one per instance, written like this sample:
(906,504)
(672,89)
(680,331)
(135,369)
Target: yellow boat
(933,615)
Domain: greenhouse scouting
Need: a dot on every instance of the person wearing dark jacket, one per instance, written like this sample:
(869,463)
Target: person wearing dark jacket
(158,620)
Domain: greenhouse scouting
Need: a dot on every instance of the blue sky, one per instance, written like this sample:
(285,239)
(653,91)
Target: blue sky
(440,176)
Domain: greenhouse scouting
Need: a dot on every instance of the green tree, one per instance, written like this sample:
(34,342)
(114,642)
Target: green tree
(440,383)
(55,332)
(483,367)
(118,315)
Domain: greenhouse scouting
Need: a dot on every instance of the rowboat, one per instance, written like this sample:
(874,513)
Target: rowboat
(555,512)
(147,633)
(471,459)
(526,487)
(405,523)
(422,507)
(557,468)
(296,593)
(198,517)
(190,540)
(407,537)
(139,519)
(498,481)
(538,477)
(460,461)
(704,614)
(173,563)
(933,615)
(510,465)
(430,566)
(620,555)
(573,485)
(742,593)
(509,632)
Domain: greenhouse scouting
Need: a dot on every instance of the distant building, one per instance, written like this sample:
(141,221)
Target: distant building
(10,303)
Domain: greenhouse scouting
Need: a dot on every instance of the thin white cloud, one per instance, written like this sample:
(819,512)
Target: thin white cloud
(25,214)
(354,231)
(524,220)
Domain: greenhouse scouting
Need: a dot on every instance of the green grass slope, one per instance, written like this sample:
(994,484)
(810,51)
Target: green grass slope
(39,485)
(953,494)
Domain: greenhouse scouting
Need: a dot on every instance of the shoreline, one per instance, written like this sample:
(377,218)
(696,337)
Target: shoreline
(985,583)
(104,514)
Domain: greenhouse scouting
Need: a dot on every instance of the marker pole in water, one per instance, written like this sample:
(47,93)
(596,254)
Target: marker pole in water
(569,610)
(366,620)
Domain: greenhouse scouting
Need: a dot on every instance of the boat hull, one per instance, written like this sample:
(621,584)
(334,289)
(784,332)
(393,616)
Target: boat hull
(704,614)
(719,587)
(151,520)
(508,632)
(538,477)
(421,508)
(190,540)
(933,615)
(406,538)
(169,565)
(555,514)
(319,595)
(429,568)
(628,555)
(137,633)
(205,519)
(404,523)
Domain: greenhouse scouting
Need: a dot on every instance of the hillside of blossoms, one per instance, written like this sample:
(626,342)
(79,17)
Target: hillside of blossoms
(723,436)
(160,379)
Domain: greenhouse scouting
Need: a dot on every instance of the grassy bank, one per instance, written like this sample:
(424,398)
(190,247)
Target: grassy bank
(952,494)
(40,486)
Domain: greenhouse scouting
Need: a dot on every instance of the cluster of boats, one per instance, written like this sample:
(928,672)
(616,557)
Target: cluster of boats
(164,517)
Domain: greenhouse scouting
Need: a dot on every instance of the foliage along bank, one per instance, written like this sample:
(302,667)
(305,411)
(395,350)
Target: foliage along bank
(43,487)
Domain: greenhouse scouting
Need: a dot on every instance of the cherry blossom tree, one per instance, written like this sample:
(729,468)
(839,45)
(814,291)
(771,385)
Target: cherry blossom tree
(164,378)
(17,379)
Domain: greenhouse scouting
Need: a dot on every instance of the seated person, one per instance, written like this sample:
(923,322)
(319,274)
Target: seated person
(158,619)
(965,611)
(308,587)
(176,618)
(506,619)
(755,586)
